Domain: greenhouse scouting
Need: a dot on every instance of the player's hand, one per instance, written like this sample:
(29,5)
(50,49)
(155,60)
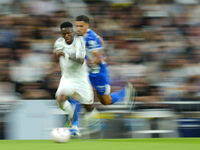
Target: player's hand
(60,53)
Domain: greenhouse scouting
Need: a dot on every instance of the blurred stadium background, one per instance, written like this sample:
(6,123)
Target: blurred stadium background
(154,44)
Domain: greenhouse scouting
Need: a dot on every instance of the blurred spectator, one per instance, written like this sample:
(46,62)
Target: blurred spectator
(154,44)
(192,92)
(29,72)
(7,34)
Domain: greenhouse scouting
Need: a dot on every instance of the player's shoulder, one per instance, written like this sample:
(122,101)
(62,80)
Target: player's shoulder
(59,40)
(91,35)
(59,43)
(93,39)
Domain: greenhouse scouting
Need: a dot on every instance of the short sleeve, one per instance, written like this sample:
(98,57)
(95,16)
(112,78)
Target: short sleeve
(93,44)
(58,45)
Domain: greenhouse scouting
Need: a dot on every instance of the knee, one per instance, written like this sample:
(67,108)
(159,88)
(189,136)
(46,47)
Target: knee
(88,107)
(105,101)
(61,98)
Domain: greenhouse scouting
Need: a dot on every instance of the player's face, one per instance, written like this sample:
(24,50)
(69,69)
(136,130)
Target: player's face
(81,27)
(67,34)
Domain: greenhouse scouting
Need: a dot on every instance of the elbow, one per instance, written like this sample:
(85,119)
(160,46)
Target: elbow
(81,61)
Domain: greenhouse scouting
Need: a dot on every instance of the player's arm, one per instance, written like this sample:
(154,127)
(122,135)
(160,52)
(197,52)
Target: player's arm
(58,50)
(78,60)
(95,59)
(60,53)
(55,67)
(97,54)
(102,51)
(79,56)
(101,39)
(57,54)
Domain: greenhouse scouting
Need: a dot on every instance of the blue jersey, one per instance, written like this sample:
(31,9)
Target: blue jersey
(92,41)
(99,76)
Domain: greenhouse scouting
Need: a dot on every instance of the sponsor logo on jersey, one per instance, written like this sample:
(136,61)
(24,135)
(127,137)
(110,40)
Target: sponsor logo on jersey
(92,43)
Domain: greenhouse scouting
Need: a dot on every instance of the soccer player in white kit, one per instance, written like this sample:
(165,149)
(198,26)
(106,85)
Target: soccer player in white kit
(69,51)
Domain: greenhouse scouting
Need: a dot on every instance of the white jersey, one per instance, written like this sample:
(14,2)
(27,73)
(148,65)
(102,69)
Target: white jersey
(70,69)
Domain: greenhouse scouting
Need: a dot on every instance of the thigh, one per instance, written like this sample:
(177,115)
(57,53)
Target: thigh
(85,92)
(66,87)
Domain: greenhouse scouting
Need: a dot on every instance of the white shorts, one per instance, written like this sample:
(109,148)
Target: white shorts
(82,88)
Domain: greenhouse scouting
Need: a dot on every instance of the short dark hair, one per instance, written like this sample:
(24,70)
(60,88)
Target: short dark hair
(83,18)
(66,24)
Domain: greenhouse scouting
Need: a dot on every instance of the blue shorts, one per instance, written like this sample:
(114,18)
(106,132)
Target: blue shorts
(100,81)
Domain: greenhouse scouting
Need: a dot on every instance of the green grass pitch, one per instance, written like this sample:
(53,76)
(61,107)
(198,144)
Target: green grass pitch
(104,144)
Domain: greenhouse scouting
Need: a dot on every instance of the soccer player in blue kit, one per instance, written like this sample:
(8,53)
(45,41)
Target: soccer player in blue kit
(98,72)
(99,76)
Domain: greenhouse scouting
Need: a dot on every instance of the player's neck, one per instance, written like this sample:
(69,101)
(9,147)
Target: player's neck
(85,34)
